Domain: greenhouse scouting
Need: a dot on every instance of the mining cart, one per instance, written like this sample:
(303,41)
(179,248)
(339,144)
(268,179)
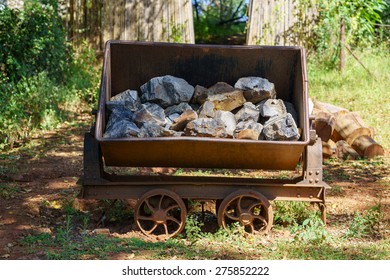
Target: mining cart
(161,209)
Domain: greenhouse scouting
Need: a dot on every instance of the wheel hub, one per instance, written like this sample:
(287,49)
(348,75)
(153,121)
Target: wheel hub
(160,217)
(246,219)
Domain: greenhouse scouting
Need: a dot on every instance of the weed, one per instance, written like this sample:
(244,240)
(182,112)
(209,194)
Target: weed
(193,229)
(368,224)
(8,191)
(290,212)
(312,231)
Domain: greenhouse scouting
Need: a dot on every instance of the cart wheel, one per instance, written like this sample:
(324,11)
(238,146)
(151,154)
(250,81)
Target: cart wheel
(160,213)
(251,209)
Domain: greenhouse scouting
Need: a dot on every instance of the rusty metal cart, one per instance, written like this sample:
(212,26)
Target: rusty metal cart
(161,208)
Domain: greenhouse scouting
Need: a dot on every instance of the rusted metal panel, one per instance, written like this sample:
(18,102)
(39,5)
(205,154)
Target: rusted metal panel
(131,64)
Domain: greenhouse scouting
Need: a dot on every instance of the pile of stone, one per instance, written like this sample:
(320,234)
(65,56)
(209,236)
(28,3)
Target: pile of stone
(169,106)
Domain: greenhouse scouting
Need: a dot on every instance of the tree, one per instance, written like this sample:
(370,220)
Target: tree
(220,21)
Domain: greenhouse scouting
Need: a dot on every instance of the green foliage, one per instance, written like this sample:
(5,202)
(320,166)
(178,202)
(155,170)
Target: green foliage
(40,76)
(359,18)
(311,231)
(215,20)
(290,212)
(368,224)
(32,41)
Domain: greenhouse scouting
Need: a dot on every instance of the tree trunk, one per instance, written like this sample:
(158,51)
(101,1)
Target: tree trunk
(367,147)
(345,151)
(324,123)
(350,126)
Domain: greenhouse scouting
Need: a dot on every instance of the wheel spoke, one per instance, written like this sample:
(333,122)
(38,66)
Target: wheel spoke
(171,208)
(174,220)
(166,229)
(160,202)
(153,228)
(149,205)
(261,218)
(239,206)
(251,227)
(250,207)
(231,217)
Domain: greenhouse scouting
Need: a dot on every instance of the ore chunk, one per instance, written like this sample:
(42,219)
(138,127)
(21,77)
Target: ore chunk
(291,109)
(248,130)
(149,112)
(179,109)
(281,128)
(206,127)
(201,93)
(247,112)
(256,88)
(273,108)
(151,129)
(120,129)
(227,101)
(227,118)
(182,120)
(129,98)
(207,110)
(166,91)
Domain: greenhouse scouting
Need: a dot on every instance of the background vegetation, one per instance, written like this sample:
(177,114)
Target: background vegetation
(44,79)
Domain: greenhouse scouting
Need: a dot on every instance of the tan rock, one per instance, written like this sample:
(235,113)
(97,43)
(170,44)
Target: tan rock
(227,101)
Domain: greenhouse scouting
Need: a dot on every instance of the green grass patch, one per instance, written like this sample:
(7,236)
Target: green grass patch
(357,90)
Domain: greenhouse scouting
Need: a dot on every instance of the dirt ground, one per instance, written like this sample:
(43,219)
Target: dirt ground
(41,175)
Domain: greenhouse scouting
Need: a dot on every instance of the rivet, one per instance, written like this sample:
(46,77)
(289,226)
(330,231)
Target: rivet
(310,172)
(311,181)
(311,196)
(317,172)
(298,195)
(317,180)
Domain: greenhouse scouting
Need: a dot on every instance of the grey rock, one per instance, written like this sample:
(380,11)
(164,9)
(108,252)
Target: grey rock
(291,109)
(149,112)
(220,87)
(248,130)
(178,109)
(151,129)
(201,93)
(247,112)
(120,129)
(256,88)
(206,127)
(227,101)
(273,108)
(166,91)
(228,119)
(281,128)
(130,98)
(207,110)
(118,115)
(182,120)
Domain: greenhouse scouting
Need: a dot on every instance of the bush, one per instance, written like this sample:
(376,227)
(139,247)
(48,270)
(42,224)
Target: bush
(40,74)
(32,40)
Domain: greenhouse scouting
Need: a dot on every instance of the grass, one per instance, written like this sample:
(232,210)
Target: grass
(357,90)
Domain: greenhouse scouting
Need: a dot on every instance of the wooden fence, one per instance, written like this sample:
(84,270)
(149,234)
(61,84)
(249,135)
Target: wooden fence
(141,20)
(280,22)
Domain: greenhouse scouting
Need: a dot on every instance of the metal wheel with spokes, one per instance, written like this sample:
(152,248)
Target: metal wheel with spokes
(160,213)
(249,208)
